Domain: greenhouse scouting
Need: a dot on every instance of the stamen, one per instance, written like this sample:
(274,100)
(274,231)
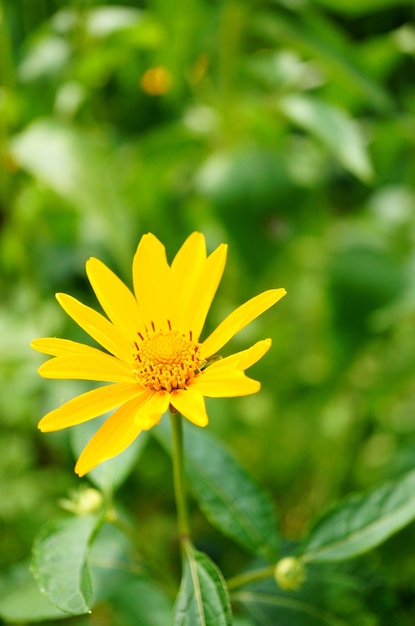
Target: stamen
(166,360)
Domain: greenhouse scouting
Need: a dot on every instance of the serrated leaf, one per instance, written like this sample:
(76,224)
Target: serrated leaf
(227,495)
(361,522)
(334,128)
(111,474)
(59,563)
(203,598)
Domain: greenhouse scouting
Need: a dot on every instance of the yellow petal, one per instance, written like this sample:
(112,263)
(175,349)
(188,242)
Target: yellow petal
(191,404)
(89,405)
(122,428)
(151,278)
(100,367)
(97,326)
(116,299)
(225,378)
(114,436)
(186,270)
(238,319)
(227,382)
(244,359)
(55,346)
(205,291)
(150,413)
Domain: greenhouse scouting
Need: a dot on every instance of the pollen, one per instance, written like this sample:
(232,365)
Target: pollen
(166,360)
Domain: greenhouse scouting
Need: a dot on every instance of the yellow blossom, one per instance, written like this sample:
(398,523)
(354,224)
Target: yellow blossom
(153,354)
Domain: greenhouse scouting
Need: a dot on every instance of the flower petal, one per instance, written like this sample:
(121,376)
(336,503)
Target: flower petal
(114,436)
(55,346)
(244,359)
(186,271)
(115,298)
(238,319)
(150,413)
(226,378)
(191,404)
(227,382)
(151,278)
(97,326)
(89,405)
(121,429)
(205,290)
(100,367)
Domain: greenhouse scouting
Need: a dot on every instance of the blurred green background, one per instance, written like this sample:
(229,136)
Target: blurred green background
(283,127)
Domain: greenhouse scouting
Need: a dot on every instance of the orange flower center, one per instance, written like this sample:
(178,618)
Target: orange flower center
(166,360)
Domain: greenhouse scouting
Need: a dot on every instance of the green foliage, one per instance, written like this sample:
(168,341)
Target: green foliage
(227,495)
(202,597)
(361,522)
(287,130)
(59,563)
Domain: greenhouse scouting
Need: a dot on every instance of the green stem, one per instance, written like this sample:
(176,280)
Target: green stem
(179,478)
(250,577)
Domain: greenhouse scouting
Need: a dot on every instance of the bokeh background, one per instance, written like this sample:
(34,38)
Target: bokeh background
(283,127)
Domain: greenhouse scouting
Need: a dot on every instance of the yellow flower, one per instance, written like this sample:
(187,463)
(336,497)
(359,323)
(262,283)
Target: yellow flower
(153,357)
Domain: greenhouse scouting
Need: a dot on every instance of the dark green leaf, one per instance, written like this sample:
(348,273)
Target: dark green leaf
(362,522)
(203,598)
(227,495)
(59,563)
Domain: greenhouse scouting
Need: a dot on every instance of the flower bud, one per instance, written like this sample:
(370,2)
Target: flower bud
(289,573)
(83,502)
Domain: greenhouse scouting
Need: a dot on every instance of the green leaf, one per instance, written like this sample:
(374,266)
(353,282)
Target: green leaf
(314,35)
(118,579)
(362,7)
(59,563)
(104,21)
(21,600)
(227,495)
(271,607)
(74,166)
(334,128)
(333,594)
(361,522)
(203,598)
(111,474)
(142,602)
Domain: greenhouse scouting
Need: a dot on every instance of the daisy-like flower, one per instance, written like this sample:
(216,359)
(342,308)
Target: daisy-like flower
(154,358)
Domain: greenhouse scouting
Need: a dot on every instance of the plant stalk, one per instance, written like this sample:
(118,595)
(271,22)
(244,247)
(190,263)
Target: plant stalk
(179,478)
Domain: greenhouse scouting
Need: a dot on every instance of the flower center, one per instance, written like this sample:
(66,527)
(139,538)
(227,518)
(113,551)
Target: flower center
(166,360)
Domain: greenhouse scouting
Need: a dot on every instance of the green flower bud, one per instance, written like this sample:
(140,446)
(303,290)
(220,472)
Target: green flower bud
(289,573)
(83,502)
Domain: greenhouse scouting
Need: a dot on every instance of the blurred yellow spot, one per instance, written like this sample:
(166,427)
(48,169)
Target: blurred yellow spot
(156,81)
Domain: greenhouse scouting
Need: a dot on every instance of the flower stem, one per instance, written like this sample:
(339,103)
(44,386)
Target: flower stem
(250,577)
(179,479)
